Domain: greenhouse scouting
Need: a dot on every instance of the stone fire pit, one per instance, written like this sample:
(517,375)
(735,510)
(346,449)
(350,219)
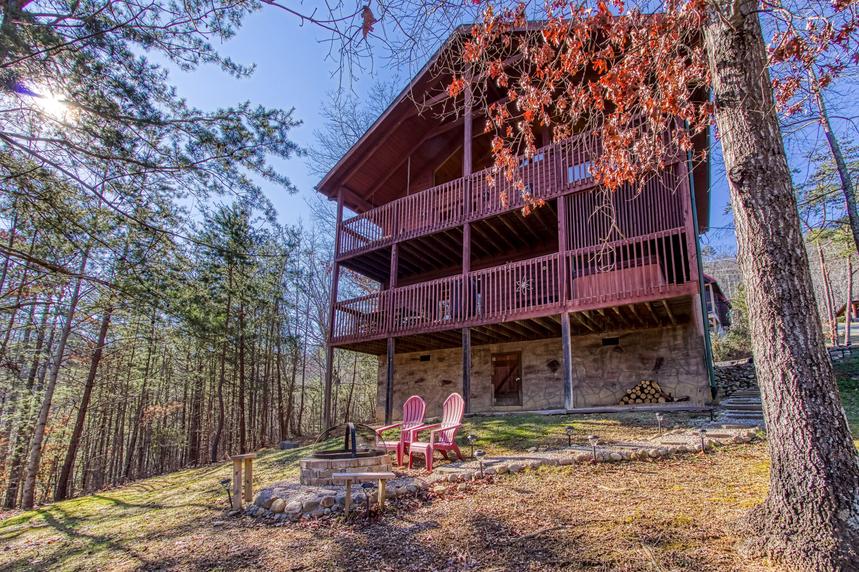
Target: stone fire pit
(317,469)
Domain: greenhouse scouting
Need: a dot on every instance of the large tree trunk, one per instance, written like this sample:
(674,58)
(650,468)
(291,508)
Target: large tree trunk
(811,515)
(63,489)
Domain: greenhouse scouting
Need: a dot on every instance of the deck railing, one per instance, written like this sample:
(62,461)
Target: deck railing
(552,171)
(652,265)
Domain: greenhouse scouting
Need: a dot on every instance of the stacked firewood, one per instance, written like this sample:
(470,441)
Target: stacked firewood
(647,391)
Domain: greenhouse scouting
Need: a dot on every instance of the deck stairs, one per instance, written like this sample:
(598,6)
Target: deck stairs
(742,408)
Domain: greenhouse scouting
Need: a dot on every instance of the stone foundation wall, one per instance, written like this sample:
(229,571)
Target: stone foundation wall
(672,356)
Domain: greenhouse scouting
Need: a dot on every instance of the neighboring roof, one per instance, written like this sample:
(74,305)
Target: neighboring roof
(843,307)
(717,290)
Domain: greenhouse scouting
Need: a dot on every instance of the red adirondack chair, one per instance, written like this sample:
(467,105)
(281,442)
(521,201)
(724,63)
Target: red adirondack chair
(442,435)
(413,417)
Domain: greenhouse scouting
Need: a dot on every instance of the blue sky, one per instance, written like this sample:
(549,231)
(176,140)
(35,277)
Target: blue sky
(292,71)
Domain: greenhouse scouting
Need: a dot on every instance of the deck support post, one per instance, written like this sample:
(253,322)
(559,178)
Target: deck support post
(466,368)
(389,382)
(395,261)
(332,303)
(466,250)
(562,249)
(566,349)
(467,121)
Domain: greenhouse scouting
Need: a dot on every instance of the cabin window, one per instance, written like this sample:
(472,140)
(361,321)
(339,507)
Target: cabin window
(579,172)
(538,157)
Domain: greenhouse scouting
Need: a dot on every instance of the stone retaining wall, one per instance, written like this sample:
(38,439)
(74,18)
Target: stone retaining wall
(732,376)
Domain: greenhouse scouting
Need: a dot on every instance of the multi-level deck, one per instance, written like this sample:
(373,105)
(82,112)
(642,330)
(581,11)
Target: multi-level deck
(629,251)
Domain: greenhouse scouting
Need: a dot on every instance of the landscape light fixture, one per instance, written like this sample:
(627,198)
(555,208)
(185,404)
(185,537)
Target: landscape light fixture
(226,484)
(480,453)
(368,494)
(659,419)
(593,440)
(472,439)
(569,431)
(703,433)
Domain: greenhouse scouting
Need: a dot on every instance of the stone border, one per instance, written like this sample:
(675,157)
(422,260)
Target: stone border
(309,502)
(292,502)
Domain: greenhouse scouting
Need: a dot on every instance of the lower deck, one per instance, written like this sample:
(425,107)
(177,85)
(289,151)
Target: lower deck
(527,373)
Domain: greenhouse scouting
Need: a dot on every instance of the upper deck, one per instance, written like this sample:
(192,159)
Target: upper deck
(554,170)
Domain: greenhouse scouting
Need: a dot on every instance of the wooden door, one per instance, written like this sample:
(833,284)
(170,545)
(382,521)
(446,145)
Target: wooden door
(507,378)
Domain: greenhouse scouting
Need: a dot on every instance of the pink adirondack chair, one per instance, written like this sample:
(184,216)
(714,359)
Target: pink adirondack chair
(413,417)
(442,435)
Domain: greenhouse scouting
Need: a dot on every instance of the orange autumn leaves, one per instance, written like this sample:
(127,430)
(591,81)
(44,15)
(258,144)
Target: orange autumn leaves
(633,78)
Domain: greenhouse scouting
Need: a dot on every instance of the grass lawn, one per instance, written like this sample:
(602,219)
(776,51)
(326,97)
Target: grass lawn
(674,514)
(847,371)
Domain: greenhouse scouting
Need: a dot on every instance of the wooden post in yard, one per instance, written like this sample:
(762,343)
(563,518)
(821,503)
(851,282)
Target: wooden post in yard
(243,481)
(249,479)
(237,484)
(347,502)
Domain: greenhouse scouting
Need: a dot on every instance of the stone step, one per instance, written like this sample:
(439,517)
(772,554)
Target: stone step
(749,395)
(756,418)
(735,424)
(744,407)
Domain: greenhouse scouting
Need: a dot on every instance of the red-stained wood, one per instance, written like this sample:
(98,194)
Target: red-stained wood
(522,289)
(332,314)
(612,250)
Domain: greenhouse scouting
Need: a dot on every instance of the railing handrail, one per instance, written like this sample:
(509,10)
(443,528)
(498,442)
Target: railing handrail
(466,313)
(514,264)
(397,205)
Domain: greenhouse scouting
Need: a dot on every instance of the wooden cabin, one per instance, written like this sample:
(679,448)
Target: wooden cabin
(718,306)
(547,311)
